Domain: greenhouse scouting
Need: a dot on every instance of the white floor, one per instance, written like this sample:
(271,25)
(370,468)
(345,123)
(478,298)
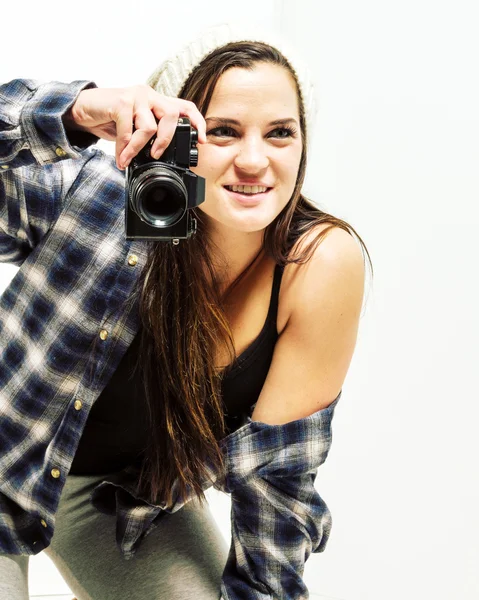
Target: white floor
(44,580)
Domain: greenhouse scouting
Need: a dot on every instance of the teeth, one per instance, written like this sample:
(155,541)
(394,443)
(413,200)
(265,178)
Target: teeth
(247,189)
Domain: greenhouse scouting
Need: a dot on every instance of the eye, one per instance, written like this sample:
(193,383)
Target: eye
(286,132)
(221,131)
(280,133)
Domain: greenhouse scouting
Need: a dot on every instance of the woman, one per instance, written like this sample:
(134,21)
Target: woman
(135,374)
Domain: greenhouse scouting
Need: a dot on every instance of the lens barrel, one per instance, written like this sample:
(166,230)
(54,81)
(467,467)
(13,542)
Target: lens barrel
(158,196)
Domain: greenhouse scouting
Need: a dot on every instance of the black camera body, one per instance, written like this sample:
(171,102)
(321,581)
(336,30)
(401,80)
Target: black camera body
(159,193)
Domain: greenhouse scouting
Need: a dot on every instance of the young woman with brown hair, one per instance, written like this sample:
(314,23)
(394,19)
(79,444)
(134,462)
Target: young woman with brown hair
(137,374)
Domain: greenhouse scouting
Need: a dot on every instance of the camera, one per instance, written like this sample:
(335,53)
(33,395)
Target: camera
(159,193)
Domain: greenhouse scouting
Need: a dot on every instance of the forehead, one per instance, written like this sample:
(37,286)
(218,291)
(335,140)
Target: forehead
(266,89)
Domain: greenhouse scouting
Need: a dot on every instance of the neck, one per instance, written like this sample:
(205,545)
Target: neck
(233,253)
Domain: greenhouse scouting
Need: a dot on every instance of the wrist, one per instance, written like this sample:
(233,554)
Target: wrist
(77,134)
(71,121)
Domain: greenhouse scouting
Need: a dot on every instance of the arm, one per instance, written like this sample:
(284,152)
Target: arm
(31,127)
(33,137)
(35,170)
(278,517)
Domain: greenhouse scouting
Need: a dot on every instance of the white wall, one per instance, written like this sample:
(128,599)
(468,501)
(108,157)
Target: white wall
(395,153)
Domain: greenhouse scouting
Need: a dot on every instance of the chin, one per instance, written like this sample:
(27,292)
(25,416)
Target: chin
(244,222)
(247,224)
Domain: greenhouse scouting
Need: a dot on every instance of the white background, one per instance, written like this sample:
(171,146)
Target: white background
(395,153)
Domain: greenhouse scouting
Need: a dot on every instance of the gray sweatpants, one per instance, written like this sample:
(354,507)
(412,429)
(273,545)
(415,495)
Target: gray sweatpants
(183,558)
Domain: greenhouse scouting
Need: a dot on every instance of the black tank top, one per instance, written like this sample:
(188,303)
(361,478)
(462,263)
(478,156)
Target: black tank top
(114,434)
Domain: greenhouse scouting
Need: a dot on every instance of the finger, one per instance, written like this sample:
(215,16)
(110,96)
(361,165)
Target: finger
(187,109)
(124,129)
(145,129)
(165,132)
(190,110)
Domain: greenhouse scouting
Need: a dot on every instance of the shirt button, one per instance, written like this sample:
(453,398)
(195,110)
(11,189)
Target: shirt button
(55,473)
(43,522)
(60,152)
(103,334)
(132,260)
(78,404)
(4,167)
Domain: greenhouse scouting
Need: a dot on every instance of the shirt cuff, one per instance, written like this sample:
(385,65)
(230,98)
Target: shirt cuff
(43,128)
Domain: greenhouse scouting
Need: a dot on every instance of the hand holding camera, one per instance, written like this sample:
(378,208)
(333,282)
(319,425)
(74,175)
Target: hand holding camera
(155,139)
(111,114)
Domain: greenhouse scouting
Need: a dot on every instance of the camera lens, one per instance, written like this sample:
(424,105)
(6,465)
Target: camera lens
(161,203)
(158,196)
(157,202)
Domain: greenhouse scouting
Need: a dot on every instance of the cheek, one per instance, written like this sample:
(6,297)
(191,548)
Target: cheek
(210,161)
(288,168)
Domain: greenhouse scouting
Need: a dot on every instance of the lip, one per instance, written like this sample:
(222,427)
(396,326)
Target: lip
(252,183)
(248,199)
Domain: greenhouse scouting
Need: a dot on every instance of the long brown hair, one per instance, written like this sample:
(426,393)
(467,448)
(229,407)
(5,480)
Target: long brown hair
(183,313)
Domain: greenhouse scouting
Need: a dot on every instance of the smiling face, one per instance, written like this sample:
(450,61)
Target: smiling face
(245,146)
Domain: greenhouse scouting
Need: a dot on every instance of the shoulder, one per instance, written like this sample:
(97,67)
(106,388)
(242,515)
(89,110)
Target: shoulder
(334,271)
(335,243)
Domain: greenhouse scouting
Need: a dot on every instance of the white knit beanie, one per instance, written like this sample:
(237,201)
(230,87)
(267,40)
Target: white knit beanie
(169,78)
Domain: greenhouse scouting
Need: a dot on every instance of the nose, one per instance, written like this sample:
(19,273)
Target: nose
(252,154)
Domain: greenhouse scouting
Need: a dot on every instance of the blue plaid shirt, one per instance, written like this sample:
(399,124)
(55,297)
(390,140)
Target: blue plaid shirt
(62,222)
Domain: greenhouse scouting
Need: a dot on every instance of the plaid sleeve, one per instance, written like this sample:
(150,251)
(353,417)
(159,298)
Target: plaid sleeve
(277,516)
(31,127)
(38,161)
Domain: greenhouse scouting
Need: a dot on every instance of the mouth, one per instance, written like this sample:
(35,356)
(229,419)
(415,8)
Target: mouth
(247,198)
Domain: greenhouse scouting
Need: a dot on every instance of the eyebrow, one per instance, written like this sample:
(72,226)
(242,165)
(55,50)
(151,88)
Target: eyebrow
(223,121)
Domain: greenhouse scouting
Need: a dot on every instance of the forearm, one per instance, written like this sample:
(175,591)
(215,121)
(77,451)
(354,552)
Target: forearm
(277,516)
(32,127)
(35,175)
